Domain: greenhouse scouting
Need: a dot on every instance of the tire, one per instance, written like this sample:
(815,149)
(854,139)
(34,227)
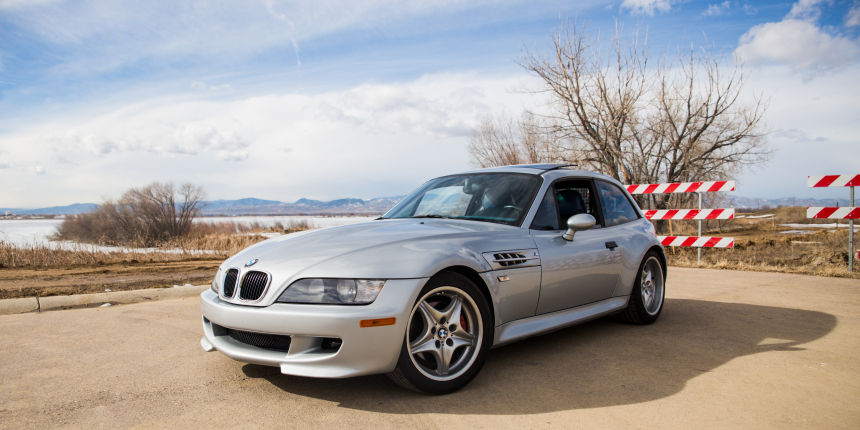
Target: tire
(649,291)
(440,355)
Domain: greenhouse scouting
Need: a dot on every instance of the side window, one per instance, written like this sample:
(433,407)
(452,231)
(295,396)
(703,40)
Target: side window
(575,197)
(617,209)
(562,201)
(546,217)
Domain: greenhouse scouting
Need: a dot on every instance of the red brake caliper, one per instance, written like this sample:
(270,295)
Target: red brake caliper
(463,323)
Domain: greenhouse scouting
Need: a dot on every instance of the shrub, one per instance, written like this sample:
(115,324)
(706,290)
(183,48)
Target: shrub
(146,216)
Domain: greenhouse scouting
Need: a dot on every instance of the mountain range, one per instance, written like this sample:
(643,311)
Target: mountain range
(379,205)
(247,206)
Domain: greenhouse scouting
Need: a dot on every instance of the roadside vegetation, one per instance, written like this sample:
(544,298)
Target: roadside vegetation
(145,216)
(150,223)
(763,244)
(203,241)
(40,269)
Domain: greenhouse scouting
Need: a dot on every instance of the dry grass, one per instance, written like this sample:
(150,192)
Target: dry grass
(204,241)
(42,256)
(759,246)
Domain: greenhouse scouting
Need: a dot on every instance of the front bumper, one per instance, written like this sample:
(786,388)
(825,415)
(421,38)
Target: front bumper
(364,350)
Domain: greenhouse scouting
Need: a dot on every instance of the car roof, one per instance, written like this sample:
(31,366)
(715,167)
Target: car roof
(549,171)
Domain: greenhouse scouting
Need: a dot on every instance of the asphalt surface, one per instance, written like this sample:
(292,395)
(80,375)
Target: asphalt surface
(731,350)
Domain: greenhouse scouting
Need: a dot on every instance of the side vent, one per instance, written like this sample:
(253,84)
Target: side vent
(506,259)
(512,259)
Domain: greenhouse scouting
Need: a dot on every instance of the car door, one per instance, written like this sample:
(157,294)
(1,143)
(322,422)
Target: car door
(620,222)
(577,272)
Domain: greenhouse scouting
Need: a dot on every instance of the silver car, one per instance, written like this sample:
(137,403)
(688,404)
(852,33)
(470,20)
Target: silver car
(464,263)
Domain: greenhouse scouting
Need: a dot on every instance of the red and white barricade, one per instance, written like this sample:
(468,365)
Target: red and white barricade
(689,214)
(693,214)
(833,181)
(681,187)
(697,241)
(848,212)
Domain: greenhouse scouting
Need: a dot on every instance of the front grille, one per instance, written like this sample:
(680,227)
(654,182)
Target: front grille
(273,342)
(230,282)
(253,285)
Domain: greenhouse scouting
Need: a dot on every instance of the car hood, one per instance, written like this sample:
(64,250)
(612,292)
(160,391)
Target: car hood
(381,249)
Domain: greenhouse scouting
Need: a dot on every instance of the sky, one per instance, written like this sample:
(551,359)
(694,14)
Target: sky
(329,99)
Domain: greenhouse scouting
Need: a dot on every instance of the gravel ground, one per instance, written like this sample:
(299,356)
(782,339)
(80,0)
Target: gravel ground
(731,350)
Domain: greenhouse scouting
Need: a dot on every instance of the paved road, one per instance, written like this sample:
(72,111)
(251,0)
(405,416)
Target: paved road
(732,349)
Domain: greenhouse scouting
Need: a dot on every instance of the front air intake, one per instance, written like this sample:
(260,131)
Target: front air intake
(272,342)
(253,285)
(230,282)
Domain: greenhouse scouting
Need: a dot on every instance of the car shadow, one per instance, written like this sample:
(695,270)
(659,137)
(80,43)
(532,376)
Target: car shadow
(601,363)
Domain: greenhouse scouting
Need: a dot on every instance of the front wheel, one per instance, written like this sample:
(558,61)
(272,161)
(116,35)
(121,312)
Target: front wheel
(646,299)
(449,332)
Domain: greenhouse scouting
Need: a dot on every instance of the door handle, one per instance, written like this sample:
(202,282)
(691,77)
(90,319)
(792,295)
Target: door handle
(611,245)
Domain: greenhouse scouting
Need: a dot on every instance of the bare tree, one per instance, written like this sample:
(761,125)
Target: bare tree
(500,141)
(143,216)
(157,207)
(681,121)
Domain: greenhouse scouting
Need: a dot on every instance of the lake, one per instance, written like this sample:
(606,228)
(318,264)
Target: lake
(22,232)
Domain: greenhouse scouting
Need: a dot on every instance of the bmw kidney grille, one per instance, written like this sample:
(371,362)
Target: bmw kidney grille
(230,282)
(253,285)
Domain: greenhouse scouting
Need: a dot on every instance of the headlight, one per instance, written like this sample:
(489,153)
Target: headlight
(332,291)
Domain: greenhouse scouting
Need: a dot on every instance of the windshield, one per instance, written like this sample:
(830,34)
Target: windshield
(493,197)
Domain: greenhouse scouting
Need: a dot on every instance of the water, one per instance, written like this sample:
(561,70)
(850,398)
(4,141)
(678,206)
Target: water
(28,231)
(21,232)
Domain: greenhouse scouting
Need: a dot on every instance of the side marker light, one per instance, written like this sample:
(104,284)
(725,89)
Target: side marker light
(379,322)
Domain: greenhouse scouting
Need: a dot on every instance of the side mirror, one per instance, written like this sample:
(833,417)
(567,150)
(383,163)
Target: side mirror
(576,223)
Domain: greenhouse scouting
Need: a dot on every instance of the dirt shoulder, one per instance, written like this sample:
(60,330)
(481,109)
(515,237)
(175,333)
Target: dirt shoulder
(98,278)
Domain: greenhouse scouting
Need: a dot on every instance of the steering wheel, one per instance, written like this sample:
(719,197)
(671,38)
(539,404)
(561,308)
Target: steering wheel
(517,210)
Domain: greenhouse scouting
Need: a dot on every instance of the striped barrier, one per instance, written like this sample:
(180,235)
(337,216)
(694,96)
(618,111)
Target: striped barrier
(697,241)
(689,214)
(681,187)
(693,214)
(850,212)
(833,181)
(847,212)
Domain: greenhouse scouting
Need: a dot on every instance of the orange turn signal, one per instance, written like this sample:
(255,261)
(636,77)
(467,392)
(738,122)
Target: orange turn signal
(379,322)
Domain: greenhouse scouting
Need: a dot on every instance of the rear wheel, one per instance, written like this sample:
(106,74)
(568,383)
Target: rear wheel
(646,299)
(449,332)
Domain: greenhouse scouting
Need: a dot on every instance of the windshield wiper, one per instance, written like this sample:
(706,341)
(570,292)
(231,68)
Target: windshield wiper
(432,216)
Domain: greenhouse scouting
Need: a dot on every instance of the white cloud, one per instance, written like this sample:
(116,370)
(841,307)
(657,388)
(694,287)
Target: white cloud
(852,19)
(806,10)
(105,36)
(717,9)
(812,132)
(798,43)
(19,4)
(646,7)
(37,170)
(384,108)
(380,139)
(203,86)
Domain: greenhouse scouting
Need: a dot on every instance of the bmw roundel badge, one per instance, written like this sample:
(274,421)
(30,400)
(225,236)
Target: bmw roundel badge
(252,262)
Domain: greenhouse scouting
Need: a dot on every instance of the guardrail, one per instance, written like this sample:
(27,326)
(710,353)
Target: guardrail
(848,212)
(689,214)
